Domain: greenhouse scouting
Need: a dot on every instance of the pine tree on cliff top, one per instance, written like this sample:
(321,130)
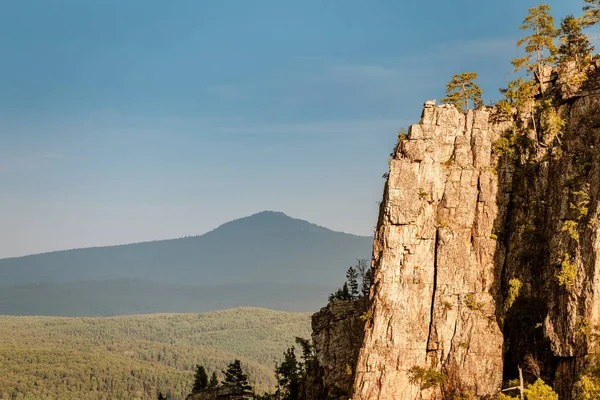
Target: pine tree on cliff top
(462,88)
(539,46)
(352,278)
(288,375)
(575,45)
(591,9)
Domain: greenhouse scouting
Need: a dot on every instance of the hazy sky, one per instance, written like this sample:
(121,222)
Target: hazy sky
(125,121)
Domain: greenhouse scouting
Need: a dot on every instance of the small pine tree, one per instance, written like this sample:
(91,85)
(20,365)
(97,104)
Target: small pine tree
(591,16)
(539,46)
(575,46)
(365,275)
(352,280)
(235,376)
(308,353)
(367,283)
(341,294)
(161,396)
(345,294)
(200,380)
(288,375)
(462,88)
(540,391)
(520,93)
(214,382)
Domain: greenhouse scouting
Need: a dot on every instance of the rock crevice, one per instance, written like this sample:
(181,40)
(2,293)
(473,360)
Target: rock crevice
(435,275)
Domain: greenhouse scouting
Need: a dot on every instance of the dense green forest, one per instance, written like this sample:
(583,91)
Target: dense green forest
(135,357)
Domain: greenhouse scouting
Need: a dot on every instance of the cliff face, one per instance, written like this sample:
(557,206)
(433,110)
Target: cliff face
(219,393)
(435,271)
(337,336)
(485,251)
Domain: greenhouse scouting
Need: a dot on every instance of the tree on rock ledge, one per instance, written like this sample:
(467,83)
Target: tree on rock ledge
(462,88)
(575,45)
(539,46)
(591,8)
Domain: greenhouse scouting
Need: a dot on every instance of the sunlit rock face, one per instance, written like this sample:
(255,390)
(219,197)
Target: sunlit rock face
(435,271)
(465,219)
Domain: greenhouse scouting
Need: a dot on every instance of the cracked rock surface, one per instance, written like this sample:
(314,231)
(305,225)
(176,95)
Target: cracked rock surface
(436,276)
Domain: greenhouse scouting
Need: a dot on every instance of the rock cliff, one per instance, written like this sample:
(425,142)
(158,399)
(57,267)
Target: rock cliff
(337,336)
(485,252)
(219,393)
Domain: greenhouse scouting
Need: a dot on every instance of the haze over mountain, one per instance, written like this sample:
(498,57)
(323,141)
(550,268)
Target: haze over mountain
(268,259)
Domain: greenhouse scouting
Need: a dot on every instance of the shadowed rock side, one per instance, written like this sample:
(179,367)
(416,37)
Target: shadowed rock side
(461,221)
(338,331)
(219,393)
(552,241)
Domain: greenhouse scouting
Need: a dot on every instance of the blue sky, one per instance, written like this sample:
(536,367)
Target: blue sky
(125,121)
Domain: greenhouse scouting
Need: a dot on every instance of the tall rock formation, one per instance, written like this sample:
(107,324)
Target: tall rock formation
(435,272)
(485,253)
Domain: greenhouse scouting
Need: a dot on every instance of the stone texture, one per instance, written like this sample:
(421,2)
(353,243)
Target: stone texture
(219,393)
(337,336)
(433,255)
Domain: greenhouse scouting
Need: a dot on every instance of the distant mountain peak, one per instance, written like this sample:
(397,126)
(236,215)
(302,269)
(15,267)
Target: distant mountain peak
(269,214)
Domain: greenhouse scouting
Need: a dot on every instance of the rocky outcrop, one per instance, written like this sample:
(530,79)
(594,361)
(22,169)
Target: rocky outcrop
(338,331)
(220,393)
(485,253)
(434,257)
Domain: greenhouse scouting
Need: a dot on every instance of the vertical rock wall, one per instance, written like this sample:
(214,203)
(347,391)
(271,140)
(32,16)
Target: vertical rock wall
(436,276)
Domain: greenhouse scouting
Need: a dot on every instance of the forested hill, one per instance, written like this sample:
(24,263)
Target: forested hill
(253,261)
(134,357)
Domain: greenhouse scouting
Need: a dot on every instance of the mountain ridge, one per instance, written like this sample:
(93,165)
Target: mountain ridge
(245,262)
(224,224)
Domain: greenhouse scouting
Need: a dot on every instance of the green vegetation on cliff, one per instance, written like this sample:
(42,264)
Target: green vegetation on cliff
(136,357)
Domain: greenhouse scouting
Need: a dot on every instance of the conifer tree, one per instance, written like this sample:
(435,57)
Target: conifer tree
(366,277)
(288,375)
(352,277)
(575,45)
(520,93)
(539,46)
(235,376)
(214,382)
(308,354)
(591,16)
(462,88)
(161,396)
(200,380)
